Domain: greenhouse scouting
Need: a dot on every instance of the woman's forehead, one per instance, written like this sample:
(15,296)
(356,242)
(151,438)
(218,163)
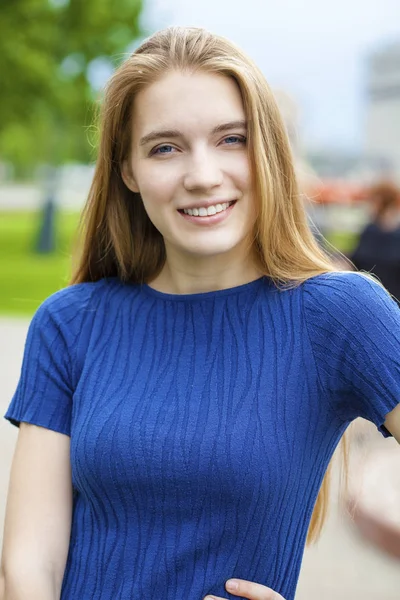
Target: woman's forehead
(195,100)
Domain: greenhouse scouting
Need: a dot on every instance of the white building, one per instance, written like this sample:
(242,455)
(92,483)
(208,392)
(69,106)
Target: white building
(290,112)
(382,126)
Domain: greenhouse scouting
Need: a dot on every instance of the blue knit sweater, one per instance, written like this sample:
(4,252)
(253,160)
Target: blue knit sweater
(202,425)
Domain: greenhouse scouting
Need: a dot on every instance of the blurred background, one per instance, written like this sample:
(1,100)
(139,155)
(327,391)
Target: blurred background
(335,71)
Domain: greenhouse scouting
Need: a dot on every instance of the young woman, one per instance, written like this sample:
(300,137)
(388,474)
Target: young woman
(180,403)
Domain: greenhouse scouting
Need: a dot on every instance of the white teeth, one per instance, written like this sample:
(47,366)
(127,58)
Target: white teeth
(205,212)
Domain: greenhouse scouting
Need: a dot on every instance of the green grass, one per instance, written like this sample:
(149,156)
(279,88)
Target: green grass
(27,278)
(343,240)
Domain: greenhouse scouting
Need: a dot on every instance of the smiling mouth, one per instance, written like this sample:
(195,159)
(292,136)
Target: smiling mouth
(202,211)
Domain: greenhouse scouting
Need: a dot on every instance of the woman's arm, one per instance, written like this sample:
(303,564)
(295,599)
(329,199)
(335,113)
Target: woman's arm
(38,516)
(392,423)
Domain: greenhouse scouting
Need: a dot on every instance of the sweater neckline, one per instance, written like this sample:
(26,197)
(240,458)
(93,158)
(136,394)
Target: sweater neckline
(210,295)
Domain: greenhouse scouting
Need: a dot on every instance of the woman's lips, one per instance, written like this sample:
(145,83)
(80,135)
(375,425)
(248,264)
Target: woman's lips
(209,219)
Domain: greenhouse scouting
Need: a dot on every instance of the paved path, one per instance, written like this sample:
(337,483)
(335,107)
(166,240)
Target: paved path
(341,567)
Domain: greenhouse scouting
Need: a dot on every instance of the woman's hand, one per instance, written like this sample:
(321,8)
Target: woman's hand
(249,590)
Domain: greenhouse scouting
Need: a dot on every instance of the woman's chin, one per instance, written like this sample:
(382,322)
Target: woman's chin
(209,251)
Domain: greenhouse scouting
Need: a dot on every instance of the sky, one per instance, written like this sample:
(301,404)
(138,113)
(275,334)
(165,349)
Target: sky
(313,49)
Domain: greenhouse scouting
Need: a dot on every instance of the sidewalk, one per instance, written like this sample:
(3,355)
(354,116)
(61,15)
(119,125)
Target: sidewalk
(342,566)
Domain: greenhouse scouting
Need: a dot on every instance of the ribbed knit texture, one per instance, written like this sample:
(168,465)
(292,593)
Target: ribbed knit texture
(202,425)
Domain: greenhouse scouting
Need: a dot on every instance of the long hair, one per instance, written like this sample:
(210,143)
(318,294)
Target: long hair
(118,236)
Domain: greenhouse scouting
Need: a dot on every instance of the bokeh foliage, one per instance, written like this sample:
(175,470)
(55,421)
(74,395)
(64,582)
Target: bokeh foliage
(47,52)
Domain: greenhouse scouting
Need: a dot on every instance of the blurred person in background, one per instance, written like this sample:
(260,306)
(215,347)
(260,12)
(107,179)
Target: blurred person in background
(378,248)
(180,403)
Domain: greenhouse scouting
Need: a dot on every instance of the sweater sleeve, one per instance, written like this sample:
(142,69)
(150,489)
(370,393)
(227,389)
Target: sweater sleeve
(49,370)
(354,330)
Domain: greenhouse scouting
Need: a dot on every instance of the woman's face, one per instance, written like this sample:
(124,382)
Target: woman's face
(189,163)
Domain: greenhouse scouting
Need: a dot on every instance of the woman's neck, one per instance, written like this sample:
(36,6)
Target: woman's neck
(192,277)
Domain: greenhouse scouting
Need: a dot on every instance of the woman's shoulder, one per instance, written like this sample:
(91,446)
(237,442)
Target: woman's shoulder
(74,301)
(338,283)
(75,294)
(341,296)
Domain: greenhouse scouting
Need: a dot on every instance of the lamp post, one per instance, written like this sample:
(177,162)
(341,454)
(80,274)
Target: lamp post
(46,239)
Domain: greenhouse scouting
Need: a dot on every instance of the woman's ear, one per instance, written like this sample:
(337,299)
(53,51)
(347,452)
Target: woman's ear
(127,177)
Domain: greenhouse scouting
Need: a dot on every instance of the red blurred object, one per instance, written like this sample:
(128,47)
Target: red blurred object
(338,192)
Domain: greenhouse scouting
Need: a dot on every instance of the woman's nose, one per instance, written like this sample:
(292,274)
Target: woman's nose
(203,173)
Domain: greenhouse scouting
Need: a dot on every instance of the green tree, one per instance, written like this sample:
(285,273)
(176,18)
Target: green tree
(49,51)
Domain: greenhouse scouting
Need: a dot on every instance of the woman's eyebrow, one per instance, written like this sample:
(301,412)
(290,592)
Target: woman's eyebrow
(241,124)
(174,133)
(162,133)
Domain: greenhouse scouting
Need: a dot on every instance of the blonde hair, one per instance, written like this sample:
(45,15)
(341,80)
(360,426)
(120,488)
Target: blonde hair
(118,236)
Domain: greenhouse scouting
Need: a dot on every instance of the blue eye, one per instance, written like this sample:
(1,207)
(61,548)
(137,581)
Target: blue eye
(166,149)
(234,139)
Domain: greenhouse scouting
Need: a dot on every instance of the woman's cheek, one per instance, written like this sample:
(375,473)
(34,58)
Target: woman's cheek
(238,168)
